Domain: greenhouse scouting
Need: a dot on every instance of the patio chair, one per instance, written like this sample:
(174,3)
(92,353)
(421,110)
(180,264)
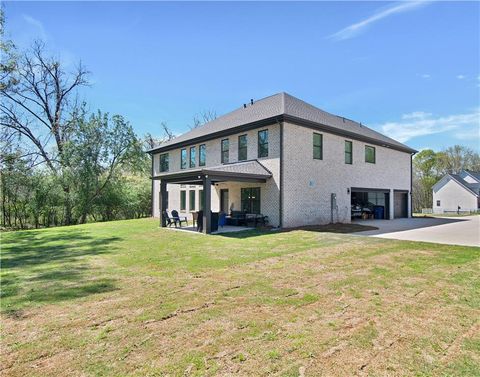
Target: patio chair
(168,220)
(200,221)
(177,219)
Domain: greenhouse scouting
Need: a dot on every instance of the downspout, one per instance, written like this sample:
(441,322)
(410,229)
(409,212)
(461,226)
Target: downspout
(153,187)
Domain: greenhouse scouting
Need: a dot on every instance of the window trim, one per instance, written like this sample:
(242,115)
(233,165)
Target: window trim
(347,153)
(227,151)
(182,165)
(374,154)
(200,161)
(160,162)
(194,157)
(317,146)
(438,203)
(241,148)
(259,145)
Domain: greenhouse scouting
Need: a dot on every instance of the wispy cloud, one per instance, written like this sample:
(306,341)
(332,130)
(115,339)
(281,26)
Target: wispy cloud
(419,123)
(461,77)
(37,25)
(355,29)
(425,76)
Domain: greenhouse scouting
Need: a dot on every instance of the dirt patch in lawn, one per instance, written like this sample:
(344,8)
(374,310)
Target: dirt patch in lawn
(333,228)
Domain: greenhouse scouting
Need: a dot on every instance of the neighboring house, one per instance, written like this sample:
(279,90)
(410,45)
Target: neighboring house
(457,192)
(285,159)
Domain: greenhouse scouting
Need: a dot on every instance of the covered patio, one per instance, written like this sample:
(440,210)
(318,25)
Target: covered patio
(246,171)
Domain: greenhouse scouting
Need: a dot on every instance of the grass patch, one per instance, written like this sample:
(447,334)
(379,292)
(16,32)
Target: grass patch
(129,298)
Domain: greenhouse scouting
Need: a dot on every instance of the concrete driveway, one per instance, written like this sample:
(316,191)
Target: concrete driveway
(447,230)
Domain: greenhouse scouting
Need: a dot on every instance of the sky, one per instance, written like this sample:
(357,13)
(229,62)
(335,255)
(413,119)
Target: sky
(410,70)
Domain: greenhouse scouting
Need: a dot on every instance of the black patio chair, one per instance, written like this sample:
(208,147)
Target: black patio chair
(179,219)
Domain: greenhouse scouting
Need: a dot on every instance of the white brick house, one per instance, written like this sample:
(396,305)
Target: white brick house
(457,192)
(285,159)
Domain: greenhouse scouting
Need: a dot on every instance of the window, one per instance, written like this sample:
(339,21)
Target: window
(183,159)
(369,154)
(202,155)
(225,150)
(438,203)
(183,200)
(348,152)
(200,200)
(193,157)
(164,162)
(242,147)
(263,143)
(191,198)
(250,198)
(317,146)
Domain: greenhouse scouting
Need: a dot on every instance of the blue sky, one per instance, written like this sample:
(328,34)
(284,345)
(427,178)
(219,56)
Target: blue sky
(409,70)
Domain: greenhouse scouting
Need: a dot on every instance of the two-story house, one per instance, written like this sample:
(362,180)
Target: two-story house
(286,159)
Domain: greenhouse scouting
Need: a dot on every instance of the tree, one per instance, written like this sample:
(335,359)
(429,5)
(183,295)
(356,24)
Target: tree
(39,105)
(425,175)
(457,158)
(205,116)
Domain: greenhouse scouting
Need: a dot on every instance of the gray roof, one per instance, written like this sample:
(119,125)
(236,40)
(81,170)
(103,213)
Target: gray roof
(474,174)
(473,187)
(251,167)
(283,104)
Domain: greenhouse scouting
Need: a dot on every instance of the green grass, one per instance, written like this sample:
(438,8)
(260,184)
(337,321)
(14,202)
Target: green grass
(129,298)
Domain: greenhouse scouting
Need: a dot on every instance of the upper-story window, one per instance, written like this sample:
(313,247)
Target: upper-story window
(348,152)
(202,155)
(183,158)
(164,162)
(263,143)
(225,151)
(317,146)
(193,157)
(242,147)
(369,154)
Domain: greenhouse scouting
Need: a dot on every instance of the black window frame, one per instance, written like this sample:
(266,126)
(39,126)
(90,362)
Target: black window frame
(191,195)
(262,147)
(438,203)
(349,154)
(374,154)
(183,158)
(192,163)
(317,147)
(224,153)
(201,200)
(202,155)
(162,162)
(243,148)
(248,203)
(183,200)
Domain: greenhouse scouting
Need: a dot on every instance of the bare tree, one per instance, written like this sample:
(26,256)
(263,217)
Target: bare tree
(40,105)
(204,117)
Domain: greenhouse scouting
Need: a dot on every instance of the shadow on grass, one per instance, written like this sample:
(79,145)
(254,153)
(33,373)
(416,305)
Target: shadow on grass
(328,228)
(48,267)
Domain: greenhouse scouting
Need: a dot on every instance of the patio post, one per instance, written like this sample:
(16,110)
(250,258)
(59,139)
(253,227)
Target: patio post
(163,202)
(207,215)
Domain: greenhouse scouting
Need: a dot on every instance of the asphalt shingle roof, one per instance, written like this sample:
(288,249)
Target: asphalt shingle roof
(283,104)
(474,187)
(252,167)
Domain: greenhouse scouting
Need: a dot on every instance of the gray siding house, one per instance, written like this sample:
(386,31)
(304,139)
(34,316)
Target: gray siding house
(283,158)
(457,193)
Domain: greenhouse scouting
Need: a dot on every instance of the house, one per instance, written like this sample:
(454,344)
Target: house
(457,193)
(286,159)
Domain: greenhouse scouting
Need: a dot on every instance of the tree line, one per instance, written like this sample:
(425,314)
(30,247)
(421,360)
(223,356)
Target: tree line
(430,166)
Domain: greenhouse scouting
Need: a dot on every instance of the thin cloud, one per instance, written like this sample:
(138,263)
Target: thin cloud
(425,76)
(421,123)
(38,25)
(461,77)
(355,29)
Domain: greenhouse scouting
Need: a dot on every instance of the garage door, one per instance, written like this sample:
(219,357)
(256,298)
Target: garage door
(400,204)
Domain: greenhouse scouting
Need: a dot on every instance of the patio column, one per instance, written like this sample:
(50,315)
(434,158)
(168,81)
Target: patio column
(207,215)
(163,202)
(391,199)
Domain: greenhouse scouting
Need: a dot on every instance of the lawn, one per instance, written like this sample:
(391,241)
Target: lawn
(127,298)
